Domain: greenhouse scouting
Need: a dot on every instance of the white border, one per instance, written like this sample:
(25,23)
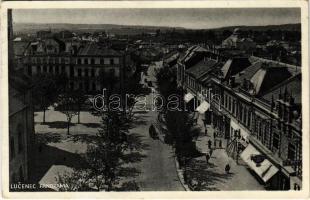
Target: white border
(155,4)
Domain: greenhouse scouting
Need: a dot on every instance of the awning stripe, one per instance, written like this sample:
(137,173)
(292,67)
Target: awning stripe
(189,96)
(203,107)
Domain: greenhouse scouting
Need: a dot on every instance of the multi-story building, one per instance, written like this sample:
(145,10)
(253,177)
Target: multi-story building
(85,64)
(256,105)
(21,119)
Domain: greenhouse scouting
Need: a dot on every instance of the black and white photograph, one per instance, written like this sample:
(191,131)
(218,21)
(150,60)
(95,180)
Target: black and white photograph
(155,99)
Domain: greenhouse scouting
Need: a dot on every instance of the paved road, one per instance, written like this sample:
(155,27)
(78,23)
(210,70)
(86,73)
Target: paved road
(158,171)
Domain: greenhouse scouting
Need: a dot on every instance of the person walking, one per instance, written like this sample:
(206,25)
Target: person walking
(209,144)
(207,157)
(206,131)
(227,168)
(220,144)
(211,151)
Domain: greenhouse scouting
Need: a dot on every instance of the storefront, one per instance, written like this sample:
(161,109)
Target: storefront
(238,132)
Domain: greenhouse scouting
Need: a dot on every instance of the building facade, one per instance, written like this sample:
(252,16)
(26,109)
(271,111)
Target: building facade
(255,104)
(85,64)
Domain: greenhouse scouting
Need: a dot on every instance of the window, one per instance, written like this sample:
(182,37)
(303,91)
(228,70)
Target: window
(86,72)
(38,69)
(57,60)
(44,68)
(29,70)
(57,69)
(275,140)
(241,113)
(79,72)
(79,61)
(245,115)
(226,101)
(63,60)
(71,71)
(39,60)
(94,86)
(249,118)
(86,61)
(101,61)
(12,148)
(93,72)
(234,107)
(72,85)
(86,85)
(291,152)
(112,72)
(63,69)
(112,61)
(92,61)
(20,141)
(50,69)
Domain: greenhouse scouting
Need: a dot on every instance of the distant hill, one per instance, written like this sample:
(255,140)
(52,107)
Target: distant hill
(134,29)
(283,27)
(111,28)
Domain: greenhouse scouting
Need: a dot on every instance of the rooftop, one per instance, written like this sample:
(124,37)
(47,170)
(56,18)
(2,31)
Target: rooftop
(291,85)
(93,49)
(202,67)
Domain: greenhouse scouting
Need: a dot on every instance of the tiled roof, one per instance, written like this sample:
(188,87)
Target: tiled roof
(92,49)
(201,68)
(267,77)
(248,72)
(292,85)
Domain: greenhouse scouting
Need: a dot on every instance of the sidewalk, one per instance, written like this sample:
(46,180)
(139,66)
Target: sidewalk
(212,176)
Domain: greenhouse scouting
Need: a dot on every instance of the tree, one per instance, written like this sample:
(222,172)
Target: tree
(45,91)
(79,98)
(68,104)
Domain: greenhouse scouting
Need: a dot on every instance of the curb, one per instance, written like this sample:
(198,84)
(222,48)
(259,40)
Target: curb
(180,175)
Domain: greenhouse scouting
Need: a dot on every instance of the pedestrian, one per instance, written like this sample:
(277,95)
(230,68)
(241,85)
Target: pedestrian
(214,134)
(207,157)
(151,131)
(206,131)
(227,168)
(211,151)
(209,144)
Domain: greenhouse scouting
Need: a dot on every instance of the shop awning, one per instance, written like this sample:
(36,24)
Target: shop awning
(259,163)
(203,107)
(189,96)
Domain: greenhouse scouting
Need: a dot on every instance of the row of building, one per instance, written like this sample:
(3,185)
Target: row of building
(255,104)
(83,63)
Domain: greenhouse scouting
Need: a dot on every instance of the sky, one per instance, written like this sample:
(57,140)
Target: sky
(192,18)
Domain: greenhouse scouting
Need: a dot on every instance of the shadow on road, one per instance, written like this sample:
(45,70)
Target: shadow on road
(57,124)
(45,138)
(204,176)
